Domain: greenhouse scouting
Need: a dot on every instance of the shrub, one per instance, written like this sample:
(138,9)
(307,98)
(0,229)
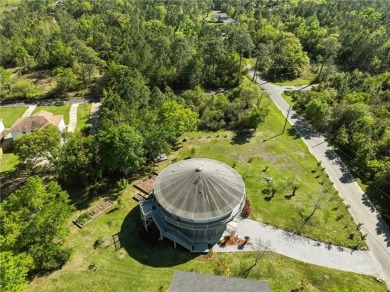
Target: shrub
(24,89)
(99,241)
(246,211)
(122,184)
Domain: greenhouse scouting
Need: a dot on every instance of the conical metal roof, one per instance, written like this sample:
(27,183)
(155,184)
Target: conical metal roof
(199,189)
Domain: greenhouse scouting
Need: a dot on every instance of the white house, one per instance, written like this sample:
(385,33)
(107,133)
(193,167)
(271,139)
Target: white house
(38,121)
(2,129)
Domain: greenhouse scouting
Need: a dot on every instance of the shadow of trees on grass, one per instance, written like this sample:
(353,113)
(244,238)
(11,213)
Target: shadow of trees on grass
(145,247)
(242,136)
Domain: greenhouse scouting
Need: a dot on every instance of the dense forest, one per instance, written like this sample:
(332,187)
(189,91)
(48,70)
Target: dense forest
(154,63)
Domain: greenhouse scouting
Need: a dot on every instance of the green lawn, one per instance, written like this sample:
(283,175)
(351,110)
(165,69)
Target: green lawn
(295,82)
(83,113)
(10,114)
(306,78)
(143,264)
(56,110)
(287,160)
(8,162)
(288,98)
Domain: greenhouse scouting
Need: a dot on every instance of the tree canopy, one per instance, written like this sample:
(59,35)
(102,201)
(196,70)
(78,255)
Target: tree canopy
(32,221)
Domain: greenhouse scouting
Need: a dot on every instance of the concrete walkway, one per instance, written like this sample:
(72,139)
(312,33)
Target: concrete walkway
(361,209)
(29,111)
(304,249)
(73,117)
(94,119)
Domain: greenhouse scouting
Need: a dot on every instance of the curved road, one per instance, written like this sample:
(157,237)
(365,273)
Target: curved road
(362,210)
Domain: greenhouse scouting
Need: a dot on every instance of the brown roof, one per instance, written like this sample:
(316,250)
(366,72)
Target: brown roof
(39,120)
(53,119)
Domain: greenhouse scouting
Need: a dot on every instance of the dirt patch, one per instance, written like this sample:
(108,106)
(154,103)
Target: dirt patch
(300,153)
(43,79)
(272,157)
(204,257)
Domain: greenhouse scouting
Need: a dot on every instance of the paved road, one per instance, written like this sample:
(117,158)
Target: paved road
(73,117)
(29,111)
(304,249)
(47,102)
(94,119)
(362,210)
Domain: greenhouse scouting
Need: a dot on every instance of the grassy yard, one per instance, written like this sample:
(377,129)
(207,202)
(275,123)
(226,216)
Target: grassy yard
(142,263)
(56,110)
(8,162)
(145,264)
(285,159)
(10,114)
(306,78)
(83,113)
(295,82)
(288,98)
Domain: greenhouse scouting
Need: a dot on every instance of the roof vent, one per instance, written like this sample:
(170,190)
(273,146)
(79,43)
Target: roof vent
(198,169)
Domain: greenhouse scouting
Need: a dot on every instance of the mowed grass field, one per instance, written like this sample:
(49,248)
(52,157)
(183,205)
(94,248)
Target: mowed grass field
(56,110)
(285,159)
(139,262)
(10,114)
(142,264)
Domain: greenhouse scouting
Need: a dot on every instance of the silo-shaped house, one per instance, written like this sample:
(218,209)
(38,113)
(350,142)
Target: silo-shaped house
(193,201)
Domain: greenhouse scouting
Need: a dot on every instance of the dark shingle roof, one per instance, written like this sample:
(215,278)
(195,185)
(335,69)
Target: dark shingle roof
(199,189)
(194,282)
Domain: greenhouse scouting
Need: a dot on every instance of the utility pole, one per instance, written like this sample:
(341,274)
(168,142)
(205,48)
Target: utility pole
(285,122)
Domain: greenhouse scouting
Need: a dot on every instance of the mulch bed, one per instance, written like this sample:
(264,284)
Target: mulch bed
(141,197)
(92,213)
(233,240)
(146,183)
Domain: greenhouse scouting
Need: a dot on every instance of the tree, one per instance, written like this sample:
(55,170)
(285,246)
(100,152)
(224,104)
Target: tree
(24,89)
(121,149)
(13,271)
(61,54)
(5,79)
(328,49)
(288,56)
(177,118)
(241,41)
(256,117)
(318,112)
(33,220)
(77,161)
(43,143)
(66,79)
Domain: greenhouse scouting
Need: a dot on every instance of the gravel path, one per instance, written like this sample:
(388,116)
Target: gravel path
(304,249)
(73,117)
(361,209)
(29,111)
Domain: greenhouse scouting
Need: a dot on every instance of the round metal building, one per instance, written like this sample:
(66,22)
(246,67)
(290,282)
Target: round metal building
(194,200)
